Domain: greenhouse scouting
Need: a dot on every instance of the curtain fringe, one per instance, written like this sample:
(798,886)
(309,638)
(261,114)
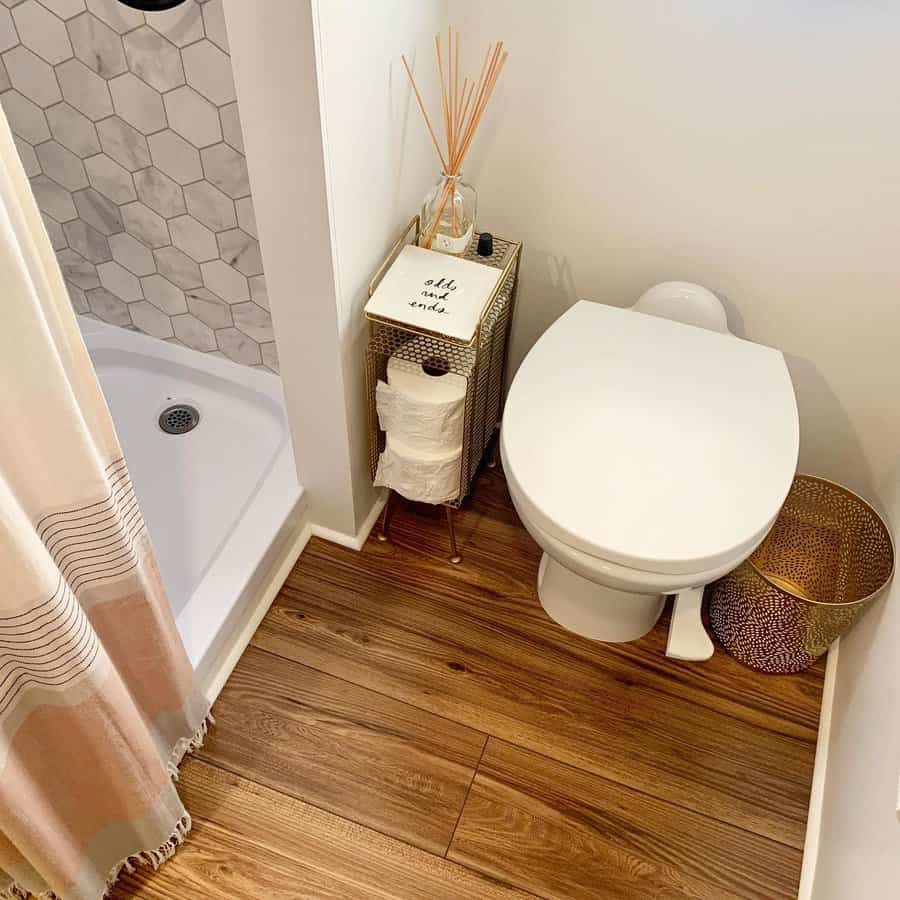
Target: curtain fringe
(188,745)
(154,858)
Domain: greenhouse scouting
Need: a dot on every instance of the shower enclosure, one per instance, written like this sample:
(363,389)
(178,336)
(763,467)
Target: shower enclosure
(219,491)
(126,120)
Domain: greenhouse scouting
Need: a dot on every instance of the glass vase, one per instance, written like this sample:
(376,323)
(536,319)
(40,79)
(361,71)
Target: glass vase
(448,215)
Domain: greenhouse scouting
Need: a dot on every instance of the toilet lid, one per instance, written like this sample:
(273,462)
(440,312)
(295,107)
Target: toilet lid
(650,443)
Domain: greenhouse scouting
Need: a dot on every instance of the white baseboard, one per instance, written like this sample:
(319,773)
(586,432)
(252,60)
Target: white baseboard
(265,594)
(817,794)
(354,541)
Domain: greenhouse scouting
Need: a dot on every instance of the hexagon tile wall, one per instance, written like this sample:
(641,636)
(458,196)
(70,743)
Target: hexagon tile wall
(128,128)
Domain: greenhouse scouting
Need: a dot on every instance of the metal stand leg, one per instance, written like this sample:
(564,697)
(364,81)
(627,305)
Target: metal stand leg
(494,453)
(383,533)
(454,552)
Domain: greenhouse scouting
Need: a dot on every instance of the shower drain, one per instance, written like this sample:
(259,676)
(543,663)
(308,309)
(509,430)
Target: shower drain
(179,419)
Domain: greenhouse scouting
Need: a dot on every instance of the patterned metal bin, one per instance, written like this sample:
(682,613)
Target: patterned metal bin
(827,557)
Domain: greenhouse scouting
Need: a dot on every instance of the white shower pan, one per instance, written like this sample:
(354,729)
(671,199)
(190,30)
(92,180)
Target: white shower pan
(221,501)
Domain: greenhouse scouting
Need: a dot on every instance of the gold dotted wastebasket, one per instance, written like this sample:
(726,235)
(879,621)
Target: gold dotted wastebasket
(827,557)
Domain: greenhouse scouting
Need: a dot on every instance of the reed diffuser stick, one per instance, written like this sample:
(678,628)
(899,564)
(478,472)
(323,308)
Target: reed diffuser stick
(462,109)
(424,113)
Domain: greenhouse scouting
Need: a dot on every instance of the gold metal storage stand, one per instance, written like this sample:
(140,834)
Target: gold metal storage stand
(481,361)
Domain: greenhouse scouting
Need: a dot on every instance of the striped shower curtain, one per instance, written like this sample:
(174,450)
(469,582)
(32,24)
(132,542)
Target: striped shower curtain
(97,696)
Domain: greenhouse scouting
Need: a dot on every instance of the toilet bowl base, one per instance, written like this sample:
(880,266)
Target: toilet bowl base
(594,610)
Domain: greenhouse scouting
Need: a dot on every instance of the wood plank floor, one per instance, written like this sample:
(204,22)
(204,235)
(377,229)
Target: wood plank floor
(405,728)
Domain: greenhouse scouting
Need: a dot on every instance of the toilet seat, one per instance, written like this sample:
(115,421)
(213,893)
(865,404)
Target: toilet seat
(650,444)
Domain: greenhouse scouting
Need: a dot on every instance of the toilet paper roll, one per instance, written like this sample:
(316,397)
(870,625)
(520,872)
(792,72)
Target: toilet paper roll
(419,475)
(432,383)
(420,406)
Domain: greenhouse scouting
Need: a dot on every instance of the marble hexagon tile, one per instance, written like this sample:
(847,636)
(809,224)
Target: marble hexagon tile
(128,127)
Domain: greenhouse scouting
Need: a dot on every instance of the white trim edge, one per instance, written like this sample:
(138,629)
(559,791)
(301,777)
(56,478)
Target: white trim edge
(354,541)
(219,672)
(817,794)
(266,593)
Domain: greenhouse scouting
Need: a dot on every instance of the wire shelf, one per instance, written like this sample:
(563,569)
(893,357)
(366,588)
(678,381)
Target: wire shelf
(482,361)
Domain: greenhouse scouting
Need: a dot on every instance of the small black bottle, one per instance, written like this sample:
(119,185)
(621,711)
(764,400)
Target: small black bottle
(485,244)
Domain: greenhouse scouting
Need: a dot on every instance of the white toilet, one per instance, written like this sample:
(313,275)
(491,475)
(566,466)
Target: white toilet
(646,457)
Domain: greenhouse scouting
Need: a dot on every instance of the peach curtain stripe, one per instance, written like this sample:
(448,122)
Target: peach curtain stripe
(97,697)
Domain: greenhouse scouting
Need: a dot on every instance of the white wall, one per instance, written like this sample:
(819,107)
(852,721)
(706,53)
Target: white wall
(339,162)
(273,57)
(750,145)
(380,164)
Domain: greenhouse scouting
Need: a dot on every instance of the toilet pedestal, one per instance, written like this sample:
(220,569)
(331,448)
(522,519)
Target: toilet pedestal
(593,610)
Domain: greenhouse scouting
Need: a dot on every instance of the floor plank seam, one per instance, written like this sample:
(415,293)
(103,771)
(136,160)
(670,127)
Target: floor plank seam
(366,687)
(651,668)
(660,799)
(482,874)
(324,809)
(462,807)
(660,690)
(637,790)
